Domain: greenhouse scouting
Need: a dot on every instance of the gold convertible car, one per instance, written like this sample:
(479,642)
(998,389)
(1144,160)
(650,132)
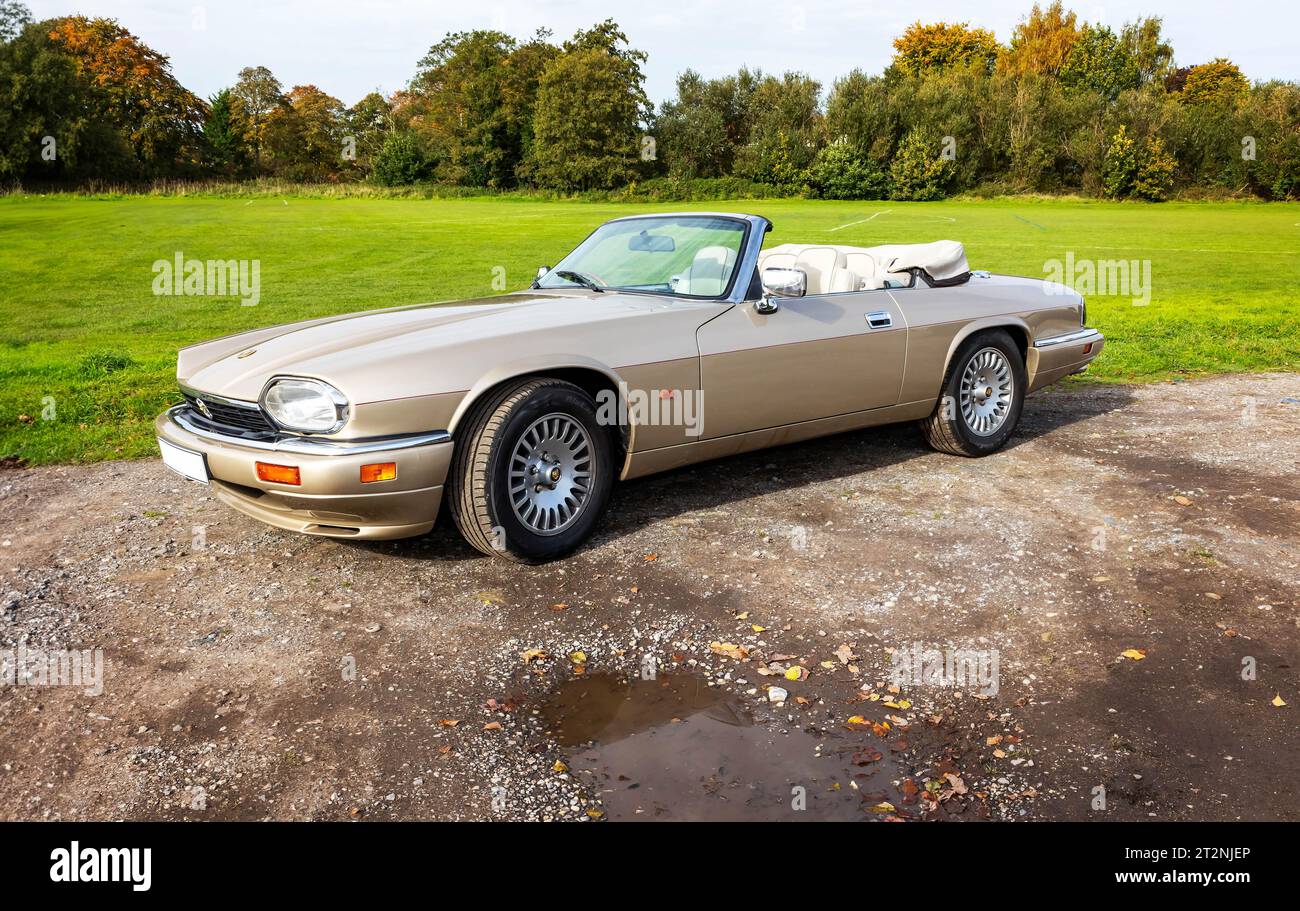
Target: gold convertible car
(661,340)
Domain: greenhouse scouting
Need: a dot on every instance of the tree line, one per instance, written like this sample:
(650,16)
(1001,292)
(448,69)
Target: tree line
(1064,106)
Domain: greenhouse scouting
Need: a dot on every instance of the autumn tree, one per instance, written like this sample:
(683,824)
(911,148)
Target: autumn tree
(1041,44)
(941,45)
(1218,81)
(304,137)
(160,118)
(54,121)
(256,94)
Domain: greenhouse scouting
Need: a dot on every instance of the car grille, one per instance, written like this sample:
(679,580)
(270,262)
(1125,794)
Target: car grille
(236,418)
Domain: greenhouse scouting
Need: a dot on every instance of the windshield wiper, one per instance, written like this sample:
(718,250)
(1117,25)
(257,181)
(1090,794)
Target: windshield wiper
(580,279)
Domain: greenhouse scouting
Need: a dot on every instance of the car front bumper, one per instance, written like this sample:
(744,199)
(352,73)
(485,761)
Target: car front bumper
(331,499)
(1059,356)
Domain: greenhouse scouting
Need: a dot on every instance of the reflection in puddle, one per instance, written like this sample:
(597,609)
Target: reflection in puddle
(677,748)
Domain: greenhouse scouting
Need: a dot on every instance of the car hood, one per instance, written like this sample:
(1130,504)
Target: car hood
(434,348)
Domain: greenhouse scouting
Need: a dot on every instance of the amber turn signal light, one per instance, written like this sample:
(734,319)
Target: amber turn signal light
(380,471)
(278,474)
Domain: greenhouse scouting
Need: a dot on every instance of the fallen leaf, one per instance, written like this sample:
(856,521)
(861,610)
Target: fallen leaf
(578,657)
(532,654)
(449,722)
(883,807)
(1000,754)
(492,726)
(756,628)
(857,719)
(1182,501)
(731,650)
(828,665)
(796,673)
(595,814)
(559,767)
(650,558)
(1279,701)
(845,654)
(958,786)
(743,615)
(559,607)
(1134,654)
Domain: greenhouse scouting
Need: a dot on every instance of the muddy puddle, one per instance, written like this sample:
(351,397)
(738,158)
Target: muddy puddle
(676,748)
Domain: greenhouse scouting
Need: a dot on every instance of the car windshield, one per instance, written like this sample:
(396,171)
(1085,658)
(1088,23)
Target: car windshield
(690,255)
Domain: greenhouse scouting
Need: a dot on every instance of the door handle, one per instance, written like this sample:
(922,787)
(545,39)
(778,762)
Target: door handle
(880,319)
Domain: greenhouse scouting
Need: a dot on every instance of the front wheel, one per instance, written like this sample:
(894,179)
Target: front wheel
(982,396)
(531,472)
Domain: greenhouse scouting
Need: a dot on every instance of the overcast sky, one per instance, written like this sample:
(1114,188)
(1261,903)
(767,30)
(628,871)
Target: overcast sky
(350,48)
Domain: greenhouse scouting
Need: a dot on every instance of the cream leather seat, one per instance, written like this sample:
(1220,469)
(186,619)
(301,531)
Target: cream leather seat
(836,268)
(825,266)
(709,272)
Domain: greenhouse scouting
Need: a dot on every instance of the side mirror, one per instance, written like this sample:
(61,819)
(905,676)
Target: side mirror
(542,270)
(781,283)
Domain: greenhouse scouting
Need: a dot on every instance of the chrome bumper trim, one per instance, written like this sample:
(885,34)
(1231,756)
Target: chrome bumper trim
(310,445)
(1074,338)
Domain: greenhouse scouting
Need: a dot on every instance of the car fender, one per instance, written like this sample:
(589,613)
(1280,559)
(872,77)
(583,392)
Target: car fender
(539,365)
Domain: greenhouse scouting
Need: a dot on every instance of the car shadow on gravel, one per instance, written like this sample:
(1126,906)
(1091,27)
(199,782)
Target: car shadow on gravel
(714,484)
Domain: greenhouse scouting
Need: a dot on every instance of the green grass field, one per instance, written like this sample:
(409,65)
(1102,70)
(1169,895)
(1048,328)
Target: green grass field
(88,350)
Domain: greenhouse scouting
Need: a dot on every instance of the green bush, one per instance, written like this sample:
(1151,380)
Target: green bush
(918,172)
(838,172)
(400,161)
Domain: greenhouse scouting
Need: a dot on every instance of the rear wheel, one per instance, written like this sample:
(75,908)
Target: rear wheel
(982,397)
(531,472)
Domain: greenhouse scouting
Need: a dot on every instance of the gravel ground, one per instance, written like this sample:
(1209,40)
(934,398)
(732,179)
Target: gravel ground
(1130,559)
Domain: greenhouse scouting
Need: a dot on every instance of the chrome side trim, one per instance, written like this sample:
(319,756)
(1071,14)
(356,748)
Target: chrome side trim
(309,445)
(1073,338)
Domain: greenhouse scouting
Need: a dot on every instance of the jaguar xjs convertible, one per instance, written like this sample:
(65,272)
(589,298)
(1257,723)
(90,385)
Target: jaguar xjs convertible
(660,341)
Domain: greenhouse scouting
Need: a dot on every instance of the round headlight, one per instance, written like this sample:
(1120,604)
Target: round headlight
(309,406)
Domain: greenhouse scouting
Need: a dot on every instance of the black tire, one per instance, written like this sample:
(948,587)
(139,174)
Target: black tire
(948,428)
(478,486)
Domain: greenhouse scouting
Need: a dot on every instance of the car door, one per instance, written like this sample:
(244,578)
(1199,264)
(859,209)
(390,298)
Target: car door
(817,356)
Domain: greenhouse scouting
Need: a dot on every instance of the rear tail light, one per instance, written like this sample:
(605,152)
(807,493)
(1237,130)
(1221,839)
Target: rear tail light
(278,474)
(380,471)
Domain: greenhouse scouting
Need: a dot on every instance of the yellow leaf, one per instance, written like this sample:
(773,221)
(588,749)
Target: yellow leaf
(1279,701)
(578,657)
(1182,501)
(828,665)
(883,807)
(743,615)
(595,814)
(795,673)
(560,767)
(1000,754)
(857,719)
(756,628)
(1135,654)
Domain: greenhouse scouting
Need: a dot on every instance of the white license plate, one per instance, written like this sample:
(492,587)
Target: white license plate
(184,462)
